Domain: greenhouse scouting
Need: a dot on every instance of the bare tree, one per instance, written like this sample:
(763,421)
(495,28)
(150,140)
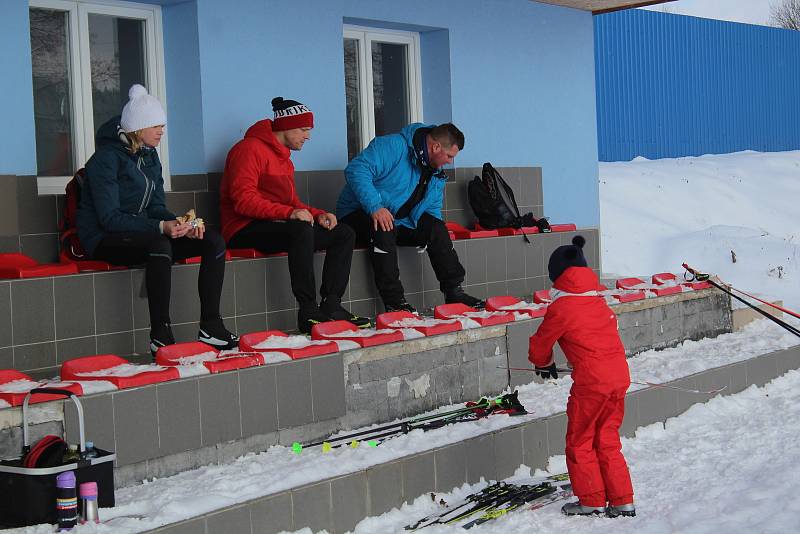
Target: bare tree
(785,14)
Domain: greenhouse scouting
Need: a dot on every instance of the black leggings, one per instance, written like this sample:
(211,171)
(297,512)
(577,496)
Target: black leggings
(300,240)
(157,252)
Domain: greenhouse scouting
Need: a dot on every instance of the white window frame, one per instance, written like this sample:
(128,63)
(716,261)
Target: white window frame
(364,38)
(83,127)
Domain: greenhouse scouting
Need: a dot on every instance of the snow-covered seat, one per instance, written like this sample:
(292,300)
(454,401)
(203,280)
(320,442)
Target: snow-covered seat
(402,320)
(296,347)
(117,370)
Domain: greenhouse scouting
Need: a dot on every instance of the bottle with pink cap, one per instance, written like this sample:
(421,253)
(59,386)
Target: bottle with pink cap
(88,493)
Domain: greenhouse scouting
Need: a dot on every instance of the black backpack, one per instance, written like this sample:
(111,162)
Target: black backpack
(494,205)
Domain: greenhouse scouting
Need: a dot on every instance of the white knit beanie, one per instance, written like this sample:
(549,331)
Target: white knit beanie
(141,111)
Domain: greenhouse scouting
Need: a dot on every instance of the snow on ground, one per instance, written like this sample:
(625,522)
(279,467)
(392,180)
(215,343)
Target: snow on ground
(729,465)
(192,493)
(657,214)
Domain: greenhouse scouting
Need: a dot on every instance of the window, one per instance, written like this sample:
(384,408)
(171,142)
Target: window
(84,58)
(382,84)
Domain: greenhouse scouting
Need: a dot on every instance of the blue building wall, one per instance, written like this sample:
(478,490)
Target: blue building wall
(672,85)
(17,152)
(516,76)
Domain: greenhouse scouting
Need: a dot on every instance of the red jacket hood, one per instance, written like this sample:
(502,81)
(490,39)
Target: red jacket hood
(577,280)
(262,130)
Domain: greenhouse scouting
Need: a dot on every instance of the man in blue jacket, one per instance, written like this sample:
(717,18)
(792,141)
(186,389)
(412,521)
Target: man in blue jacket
(393,196)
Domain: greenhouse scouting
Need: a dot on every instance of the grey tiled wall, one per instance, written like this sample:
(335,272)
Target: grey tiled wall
(45,321)
(29,222)
(338,504)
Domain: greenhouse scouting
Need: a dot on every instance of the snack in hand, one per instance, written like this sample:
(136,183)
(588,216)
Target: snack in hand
(192,219)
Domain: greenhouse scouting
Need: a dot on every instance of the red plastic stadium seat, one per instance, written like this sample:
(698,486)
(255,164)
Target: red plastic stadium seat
(697,285)
(499,303)
(500,231)
(181,354)
(386,320)
(459,310)
(14,386)
(338,330)
(632,283)
(542,296)
(245,253)
(249,343)
(569,227)
(462,233)
(102,367)
(664,278)
(15,265)
(629,283)
(89,265)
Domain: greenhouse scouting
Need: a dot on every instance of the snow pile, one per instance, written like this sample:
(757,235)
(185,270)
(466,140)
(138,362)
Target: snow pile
(706,210)
(729,465)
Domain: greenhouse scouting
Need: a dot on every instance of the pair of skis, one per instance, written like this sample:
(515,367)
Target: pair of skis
(497,500)
(484,407)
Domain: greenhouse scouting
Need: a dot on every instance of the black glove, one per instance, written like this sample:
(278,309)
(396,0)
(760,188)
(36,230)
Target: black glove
(551,371)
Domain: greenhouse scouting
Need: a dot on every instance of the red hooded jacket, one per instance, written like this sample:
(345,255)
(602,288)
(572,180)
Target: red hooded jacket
(258,182)
(585,328)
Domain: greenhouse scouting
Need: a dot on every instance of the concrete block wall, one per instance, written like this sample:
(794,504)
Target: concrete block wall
(339,503)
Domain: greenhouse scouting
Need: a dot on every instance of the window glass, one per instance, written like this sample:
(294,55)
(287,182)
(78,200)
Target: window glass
(390,87)
(117,58)
(352,87)
(52,93)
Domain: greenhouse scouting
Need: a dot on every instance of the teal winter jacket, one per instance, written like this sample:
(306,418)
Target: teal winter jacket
(385,174)
(123,192)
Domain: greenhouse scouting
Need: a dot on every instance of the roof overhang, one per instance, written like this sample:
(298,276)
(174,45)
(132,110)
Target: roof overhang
(603,6)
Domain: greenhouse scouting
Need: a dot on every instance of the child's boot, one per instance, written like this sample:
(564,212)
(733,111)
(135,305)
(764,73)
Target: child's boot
(576,508)
(625,510)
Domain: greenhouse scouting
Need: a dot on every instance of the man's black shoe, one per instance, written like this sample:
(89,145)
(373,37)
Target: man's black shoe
(400,305)
(336,312)
(215,334)
(308,317)
(457,295)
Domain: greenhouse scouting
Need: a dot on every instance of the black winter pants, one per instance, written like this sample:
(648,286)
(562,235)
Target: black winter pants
(157,252)
(430,232)
(300,240)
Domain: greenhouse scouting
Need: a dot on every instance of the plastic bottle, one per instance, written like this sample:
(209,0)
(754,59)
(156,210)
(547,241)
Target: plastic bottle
(66,501)
(88,493)
(90,451)
(71,455)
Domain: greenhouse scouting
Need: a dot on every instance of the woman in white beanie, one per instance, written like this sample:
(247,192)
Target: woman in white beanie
(123,219)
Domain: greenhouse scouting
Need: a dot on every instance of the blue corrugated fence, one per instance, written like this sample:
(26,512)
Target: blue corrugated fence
(671,85)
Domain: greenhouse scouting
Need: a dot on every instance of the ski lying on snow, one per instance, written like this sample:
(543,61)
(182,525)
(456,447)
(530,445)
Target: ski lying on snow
(497,500)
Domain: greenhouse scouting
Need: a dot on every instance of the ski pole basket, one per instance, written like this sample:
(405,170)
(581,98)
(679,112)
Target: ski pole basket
(29,494)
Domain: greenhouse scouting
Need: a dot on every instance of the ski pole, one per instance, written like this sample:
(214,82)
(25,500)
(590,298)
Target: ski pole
(401,424)
(651,384)
(707,278)
(768,303)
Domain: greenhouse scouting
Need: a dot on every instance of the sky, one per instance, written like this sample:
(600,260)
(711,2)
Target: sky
(747,11)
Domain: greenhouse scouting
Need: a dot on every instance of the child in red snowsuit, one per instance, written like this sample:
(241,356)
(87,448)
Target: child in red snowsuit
(586,329)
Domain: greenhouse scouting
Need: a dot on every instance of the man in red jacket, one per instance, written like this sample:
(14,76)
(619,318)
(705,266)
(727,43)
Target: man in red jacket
(260,209)
(586,329)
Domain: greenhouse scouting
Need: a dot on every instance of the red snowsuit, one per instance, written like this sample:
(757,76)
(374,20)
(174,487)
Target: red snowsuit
(586,329)
(258,182)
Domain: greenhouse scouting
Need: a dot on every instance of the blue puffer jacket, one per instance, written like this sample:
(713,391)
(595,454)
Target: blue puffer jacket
(385,174)
(123,192)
